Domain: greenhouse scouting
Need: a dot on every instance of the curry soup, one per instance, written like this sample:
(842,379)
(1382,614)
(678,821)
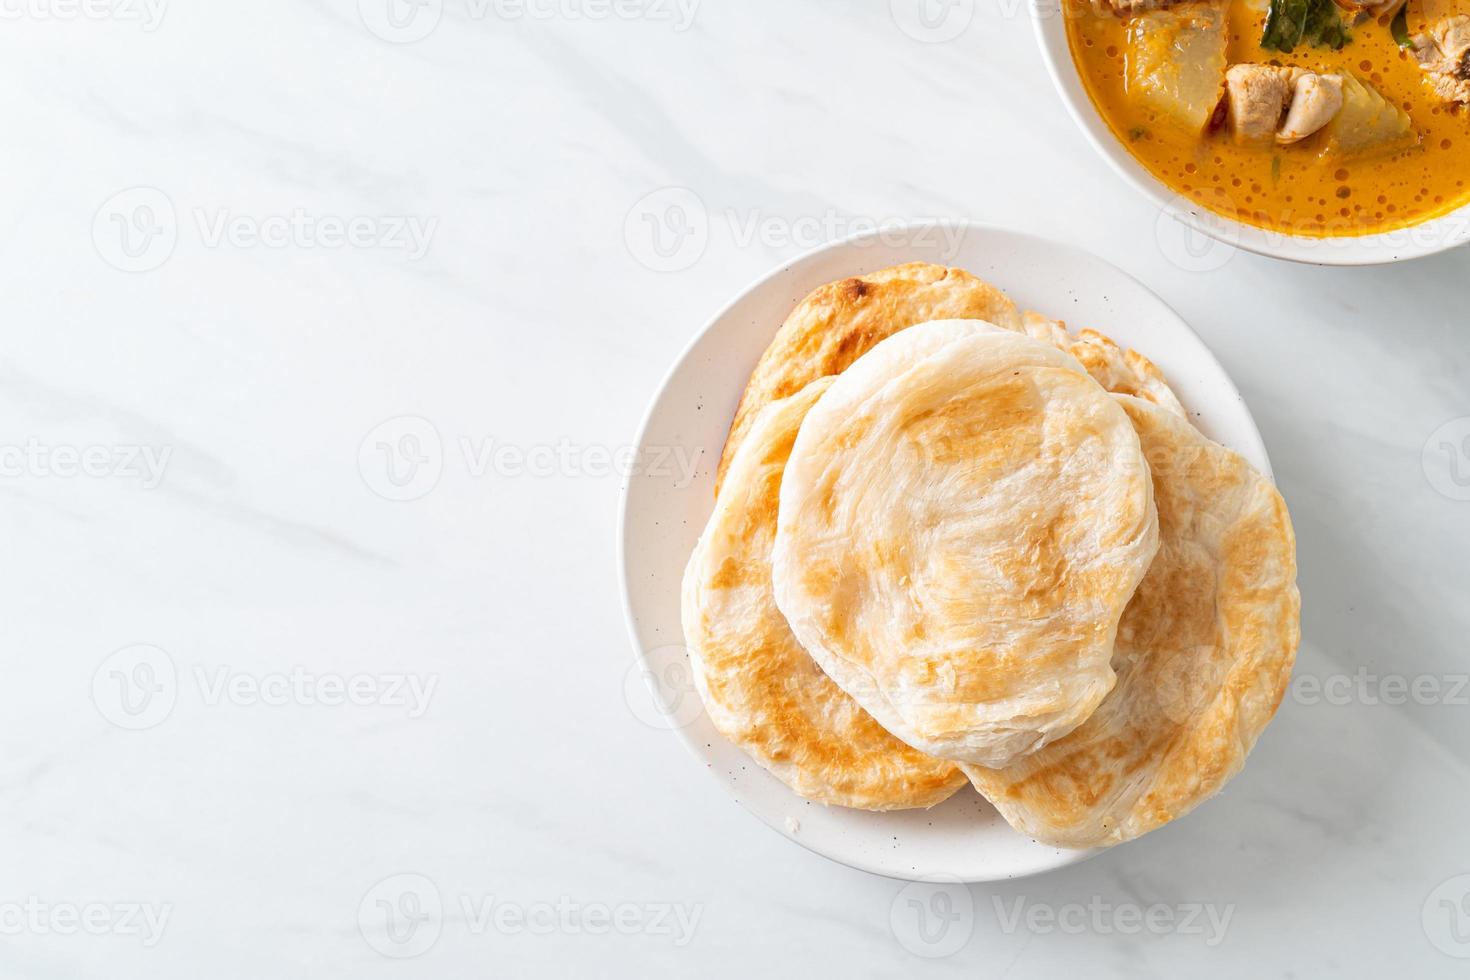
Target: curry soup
(1309,188)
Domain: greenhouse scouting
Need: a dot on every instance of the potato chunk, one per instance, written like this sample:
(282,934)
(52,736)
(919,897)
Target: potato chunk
(1176,61)
(1366,122)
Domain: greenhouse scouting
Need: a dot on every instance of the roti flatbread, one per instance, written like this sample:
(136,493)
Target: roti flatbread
(963,518)
(1203,656)
(761,688)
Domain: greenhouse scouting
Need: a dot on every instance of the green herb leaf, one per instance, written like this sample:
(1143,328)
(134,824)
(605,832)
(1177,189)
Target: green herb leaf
(1284,25)
(1400,27)
(1293,22)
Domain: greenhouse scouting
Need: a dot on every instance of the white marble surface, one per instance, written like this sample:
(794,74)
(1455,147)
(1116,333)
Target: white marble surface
(256,550)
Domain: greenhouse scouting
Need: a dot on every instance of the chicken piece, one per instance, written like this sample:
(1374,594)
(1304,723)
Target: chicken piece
(1285,104)
(1316,100)
(1428,12)
(1259,95)
(1444,52)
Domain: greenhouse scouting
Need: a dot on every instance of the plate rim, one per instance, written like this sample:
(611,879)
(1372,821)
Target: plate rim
(1257,454)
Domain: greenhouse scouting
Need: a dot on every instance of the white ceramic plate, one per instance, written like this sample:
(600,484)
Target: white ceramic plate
(1428,238)
(663,514)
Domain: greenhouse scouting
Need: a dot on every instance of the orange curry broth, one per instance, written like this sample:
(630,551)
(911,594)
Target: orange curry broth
(1306,193)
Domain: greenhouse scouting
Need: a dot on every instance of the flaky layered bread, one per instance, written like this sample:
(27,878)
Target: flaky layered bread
(842,321)
(1120,370)
(1203,656)
(963,518)
(762,690)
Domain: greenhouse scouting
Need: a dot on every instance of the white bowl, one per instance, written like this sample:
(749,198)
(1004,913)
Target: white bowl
(665,507)
(1427,238)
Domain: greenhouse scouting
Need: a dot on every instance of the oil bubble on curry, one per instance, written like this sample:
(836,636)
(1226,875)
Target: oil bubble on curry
(1311,117)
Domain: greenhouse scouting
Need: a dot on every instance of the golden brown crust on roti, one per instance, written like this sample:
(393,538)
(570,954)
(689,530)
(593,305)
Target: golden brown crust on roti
(1203,656)
(842,321)
(1118,369)
(760,687)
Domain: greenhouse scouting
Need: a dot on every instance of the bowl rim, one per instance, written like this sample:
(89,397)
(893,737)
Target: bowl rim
(1430,237)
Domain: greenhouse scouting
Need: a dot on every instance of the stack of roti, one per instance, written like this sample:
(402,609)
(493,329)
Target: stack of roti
(954,543)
